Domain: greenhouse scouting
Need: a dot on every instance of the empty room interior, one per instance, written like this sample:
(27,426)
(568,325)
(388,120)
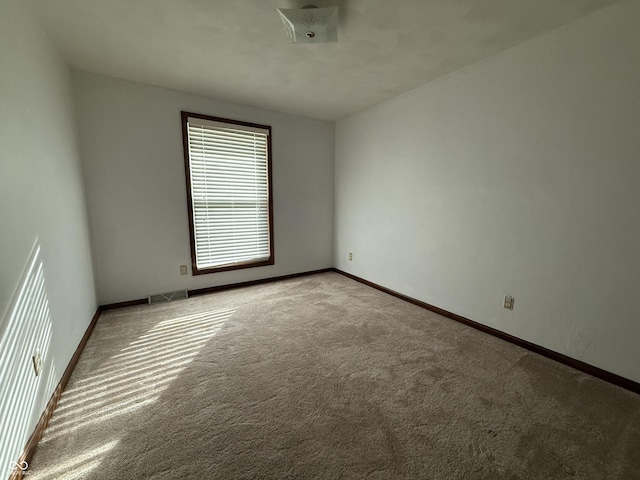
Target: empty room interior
(346,239)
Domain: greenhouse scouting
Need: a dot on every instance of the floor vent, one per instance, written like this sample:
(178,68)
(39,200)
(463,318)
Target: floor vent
(168,297)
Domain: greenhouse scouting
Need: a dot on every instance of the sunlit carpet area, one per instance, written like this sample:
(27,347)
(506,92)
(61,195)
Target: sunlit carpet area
(322,377)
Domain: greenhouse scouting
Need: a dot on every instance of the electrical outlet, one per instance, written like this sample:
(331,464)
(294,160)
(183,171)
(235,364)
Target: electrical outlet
(183,269)
(37,363)
(508,302)
(350,256)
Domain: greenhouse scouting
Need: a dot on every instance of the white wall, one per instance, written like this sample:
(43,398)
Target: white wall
(41,195)
(519,175)
(131,144)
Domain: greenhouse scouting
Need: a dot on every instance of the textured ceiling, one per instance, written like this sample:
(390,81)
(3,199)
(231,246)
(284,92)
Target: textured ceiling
(236,50)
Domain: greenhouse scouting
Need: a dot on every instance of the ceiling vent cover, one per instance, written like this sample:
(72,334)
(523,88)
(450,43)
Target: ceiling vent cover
(310,24)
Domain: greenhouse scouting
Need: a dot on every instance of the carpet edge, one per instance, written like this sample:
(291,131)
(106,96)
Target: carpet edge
(583,367)
(219,288)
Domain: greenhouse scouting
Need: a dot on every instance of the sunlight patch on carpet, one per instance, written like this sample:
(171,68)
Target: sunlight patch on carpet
(130,380)
(79,465)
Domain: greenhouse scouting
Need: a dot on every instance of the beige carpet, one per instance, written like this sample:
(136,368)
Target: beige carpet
(322,377)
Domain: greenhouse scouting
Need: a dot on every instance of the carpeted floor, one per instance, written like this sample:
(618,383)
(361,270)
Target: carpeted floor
(322,377)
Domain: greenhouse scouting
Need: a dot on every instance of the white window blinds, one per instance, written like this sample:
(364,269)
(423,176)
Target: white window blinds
(229,181)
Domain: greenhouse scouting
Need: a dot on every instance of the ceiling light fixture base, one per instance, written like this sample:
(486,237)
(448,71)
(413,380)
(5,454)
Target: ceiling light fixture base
(310,24)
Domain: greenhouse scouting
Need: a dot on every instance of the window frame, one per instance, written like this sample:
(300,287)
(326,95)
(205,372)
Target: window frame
(187,166)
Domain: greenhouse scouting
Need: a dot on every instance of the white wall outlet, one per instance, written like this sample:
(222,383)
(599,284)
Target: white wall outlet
(350,256)
(183,269)
(37,363)
(508,302)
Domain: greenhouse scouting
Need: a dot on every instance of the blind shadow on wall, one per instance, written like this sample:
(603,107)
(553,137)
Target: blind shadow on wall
(25,332)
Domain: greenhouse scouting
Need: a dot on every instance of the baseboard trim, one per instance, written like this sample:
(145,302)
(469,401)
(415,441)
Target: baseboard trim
(129,303)
(220,288)
(36,436)
(558,357)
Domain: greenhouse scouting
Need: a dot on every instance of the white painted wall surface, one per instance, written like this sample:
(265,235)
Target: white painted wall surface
(519,175)
(131,144)
(41,195)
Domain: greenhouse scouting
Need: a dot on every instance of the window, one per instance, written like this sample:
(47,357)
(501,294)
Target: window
(228,171)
